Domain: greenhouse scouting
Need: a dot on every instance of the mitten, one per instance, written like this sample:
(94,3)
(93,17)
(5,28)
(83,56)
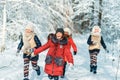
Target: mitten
(31,50)
(75,52)
(107,50)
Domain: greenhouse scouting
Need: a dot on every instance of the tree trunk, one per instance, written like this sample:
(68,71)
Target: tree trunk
(100,12)
(2,48)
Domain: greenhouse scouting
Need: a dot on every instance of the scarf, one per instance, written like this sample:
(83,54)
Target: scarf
(28,41)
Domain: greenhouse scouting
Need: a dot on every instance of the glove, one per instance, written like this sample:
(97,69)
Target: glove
(18,51)
(107,50)
(75,52)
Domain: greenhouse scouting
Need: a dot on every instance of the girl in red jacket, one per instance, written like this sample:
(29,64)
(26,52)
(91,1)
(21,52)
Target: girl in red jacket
(55,58)
(68,34)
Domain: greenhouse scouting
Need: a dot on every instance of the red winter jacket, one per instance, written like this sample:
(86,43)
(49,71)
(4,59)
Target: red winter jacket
(57,49)
(71,44)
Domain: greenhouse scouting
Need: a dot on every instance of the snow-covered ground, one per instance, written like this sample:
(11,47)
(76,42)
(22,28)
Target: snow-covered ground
(11,66)
(46,16)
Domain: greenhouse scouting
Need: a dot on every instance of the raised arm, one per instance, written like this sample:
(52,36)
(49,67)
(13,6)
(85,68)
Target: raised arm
(20,45)
(73,45)
(42,48)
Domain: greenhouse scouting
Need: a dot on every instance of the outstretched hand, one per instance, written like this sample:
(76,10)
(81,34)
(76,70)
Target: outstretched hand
(17,53)
(70,66)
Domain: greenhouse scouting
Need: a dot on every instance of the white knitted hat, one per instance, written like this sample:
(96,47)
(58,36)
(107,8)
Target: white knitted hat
(67,30)
(30,27)
(96,28)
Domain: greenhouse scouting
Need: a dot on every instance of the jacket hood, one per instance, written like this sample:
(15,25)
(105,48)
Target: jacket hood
(61,42)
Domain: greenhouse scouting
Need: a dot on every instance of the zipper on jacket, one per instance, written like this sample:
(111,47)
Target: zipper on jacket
(54,58)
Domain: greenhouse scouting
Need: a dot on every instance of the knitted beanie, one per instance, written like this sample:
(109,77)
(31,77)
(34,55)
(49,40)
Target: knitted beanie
(60,30)
(67,30)
(30,27)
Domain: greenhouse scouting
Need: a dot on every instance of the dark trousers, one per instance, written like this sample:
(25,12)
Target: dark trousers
(27,60)
(64,68)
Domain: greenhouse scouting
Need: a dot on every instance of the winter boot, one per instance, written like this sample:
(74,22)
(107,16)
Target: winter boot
(91,68)
(50,77)
(38,71)
(56,77)
(25,79)
(95,69)
(62,76)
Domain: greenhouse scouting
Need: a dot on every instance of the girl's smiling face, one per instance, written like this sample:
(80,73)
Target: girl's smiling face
(28,31)
(59,35)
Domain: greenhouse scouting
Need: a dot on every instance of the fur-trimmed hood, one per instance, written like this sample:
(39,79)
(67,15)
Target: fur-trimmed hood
(61,42)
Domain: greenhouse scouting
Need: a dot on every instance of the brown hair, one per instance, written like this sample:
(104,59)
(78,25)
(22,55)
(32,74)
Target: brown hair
(50,36)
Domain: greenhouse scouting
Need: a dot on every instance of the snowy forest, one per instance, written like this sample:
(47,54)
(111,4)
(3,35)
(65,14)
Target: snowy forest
(48,15)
